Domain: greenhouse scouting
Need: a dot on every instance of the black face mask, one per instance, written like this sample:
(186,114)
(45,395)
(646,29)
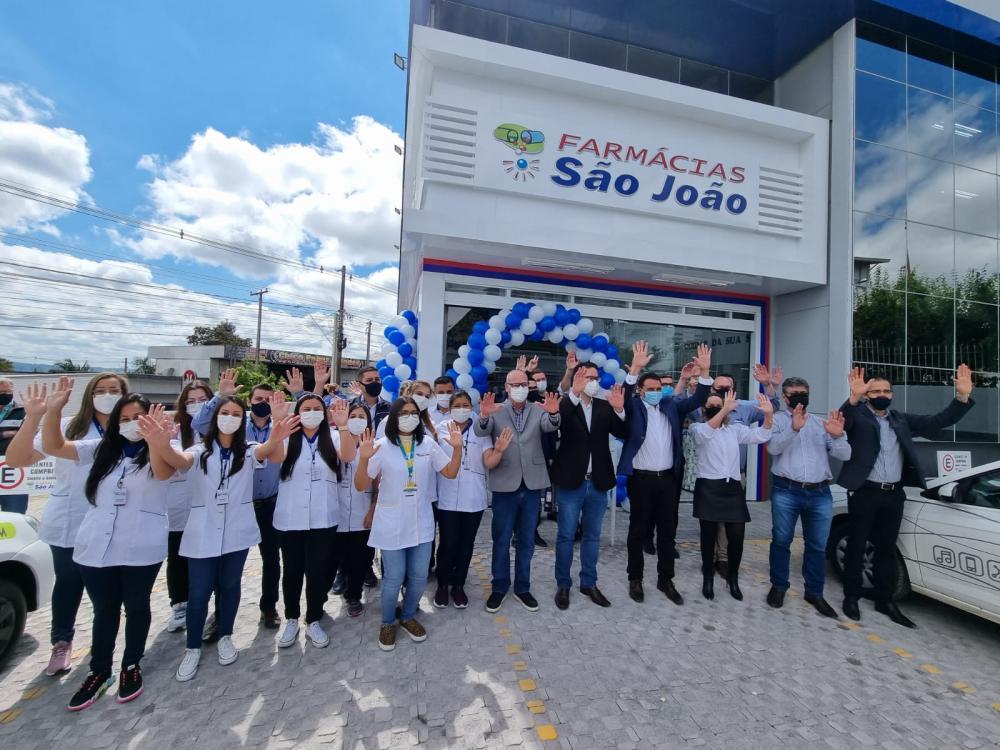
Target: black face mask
(6,398)
(880,403)
(798,399)
(711,411)
(721,391)
(261,409)
(373,388)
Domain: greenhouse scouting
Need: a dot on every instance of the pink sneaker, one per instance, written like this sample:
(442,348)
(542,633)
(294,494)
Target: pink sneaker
(61,659)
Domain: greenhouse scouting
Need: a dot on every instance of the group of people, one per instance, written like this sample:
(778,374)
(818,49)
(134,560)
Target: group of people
(321,482)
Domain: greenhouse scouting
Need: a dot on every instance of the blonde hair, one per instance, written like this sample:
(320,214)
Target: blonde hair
(80,423)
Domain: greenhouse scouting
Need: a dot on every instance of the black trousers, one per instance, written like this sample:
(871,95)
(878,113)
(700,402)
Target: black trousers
(306,555)
(734,547)
(353,558)
(111,589)
(458,531)
(177,569)
(653,501)
(873,515)
(269,553)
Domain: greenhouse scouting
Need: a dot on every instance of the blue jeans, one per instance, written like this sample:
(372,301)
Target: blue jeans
(224,576)
(815,508)
(514,510)
(66,594)
(592,503)
(409,564)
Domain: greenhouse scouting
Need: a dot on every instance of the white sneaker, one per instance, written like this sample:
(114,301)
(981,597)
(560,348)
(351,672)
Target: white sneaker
(289,634)
(227,650)
(317,635)
(189,664)
(178,617)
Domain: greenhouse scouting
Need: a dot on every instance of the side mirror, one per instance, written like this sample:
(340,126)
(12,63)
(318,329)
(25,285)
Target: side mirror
(948,492)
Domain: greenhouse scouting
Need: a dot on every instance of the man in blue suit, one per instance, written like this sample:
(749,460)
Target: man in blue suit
(653,461)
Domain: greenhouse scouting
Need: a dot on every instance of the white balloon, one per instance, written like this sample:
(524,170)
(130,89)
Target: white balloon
(461,365)
(620,376)
(586,325)
(492,353)
(583,355)
(408,331)
(493,336)
(528,326)
(386,396)
(570,346)
(556,335)
(503,315)
(549,308)
(474,395)
(497,322)
(571,331)
(387,348)
(394,359)
(463,351)
(516,338)
(464,381)
(403,372)
(490,366)
(612,366)
(599,358)
(399,321)
(536,313)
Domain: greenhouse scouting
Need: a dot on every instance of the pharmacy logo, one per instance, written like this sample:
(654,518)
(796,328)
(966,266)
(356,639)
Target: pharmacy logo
(524,142)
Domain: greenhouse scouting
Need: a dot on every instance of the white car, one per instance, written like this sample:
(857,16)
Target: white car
(949,541)
(26,577)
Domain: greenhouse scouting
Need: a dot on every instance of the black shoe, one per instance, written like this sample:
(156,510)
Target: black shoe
(851,608)
(551,515)
(355,608)
(441,597)
(595,596)
(775,598)
(667,587)
(890,610)
(92,689)
(529,602)
(734,588)
(495,602)
(635,591)
(339,585)
(371,580)
(821,606)
(210,633)
(648,547)
(722,568)
(708,586)
(129,684)
(539,542)
(459,597)
(270,620)
(677,554)
(562,598)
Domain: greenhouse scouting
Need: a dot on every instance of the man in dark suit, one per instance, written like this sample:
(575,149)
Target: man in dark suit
(584,472)
(883,461)
(653,461)
(367,392)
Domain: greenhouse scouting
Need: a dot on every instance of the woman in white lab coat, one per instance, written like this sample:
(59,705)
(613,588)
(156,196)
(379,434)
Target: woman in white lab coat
(405,462)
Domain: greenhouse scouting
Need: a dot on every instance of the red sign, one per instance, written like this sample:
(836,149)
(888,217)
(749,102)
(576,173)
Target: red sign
(189,375)
(10,478)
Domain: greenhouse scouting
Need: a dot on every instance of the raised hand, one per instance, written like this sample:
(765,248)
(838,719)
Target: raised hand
(690,370)
(799,417)
(763,403)
(321,371)
(704,358)
(153,430)
(571,361)
(963,381)
(777,376)
(551,403)
(522,363)
(580,381)
(454,436)
(834,424)
(503,439)
(33,400)
(294,380)
(368,447)
(337,412)
(282,428)
(488,405)
(59,396)
(641,357)
(355,388)
(616,398)
(227,383)
(761,374)
(858,384)
(279,406)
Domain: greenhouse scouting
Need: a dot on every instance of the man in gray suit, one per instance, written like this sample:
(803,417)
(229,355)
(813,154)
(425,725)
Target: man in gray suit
(517,482)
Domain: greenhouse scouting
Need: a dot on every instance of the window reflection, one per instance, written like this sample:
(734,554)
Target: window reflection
(879,179)
(975,201)
(929,67)
(975,82)
(930,194)
(976,268)
(930,124)
(976,345)
(975,137)
(931,255)
(880,331)
(880,110)
(881,51)
(879,252)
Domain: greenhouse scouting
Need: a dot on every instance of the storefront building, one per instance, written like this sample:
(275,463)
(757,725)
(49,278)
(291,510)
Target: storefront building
(809,184)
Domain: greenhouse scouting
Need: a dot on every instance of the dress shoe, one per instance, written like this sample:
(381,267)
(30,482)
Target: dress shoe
(595,596)
(775,598)
(562,598)
(851,608)
(734,588)
(648,547)
(890,610)
(821,606)
(708,587)
(539,542)
(722,568)
(635,591)
(667,587)
(270,620)
(677,555)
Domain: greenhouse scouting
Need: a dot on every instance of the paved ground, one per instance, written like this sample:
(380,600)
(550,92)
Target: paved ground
(721,674)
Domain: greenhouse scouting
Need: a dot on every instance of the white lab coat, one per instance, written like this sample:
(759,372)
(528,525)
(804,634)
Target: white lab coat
(67,503)
(309,498)
(466,492)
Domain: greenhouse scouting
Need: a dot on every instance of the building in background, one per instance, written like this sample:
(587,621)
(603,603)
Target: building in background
(811,184)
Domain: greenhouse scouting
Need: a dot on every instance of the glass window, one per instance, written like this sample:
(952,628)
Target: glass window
(463,19)
(593,49)
(976,268)
(931,255)
(539,37)
(879,179)
(881,51)
(703,76)
(931,122)
(880,331)
(879,252)
(880,111)
(647,62)
(750,87)
(982,491)
(975,82)
(930,355)
(929,67)
(930,193)
(975,201)
(975,137)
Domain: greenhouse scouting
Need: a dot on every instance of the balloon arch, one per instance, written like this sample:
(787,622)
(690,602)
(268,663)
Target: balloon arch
(511,327)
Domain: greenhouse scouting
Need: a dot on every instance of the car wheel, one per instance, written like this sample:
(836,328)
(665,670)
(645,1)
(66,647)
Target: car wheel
(13,611)
(836,549)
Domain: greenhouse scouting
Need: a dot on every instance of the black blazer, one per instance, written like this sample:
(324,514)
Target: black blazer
(578,445)
(861,426)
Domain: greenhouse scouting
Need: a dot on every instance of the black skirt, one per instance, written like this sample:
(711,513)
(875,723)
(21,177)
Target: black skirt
(720,500)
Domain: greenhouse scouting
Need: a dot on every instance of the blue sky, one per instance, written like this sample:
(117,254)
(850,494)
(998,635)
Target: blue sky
(138,79)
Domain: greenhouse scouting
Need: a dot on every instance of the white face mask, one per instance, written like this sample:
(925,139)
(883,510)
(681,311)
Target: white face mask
(130,431)
(592,388)
(194,409)
(228,424)
(357,425)
(443,400)
(422,402)
(106,402)
(408,423)
(461,414)
(519,394)
(542,385)
(311,419)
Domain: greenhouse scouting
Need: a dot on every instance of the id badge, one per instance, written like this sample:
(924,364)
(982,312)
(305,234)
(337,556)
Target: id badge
(120,495)
(410,491)
(222,496)
(314,473)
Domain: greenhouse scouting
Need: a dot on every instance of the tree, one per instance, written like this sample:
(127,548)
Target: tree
(143,366)
(68,365)
(6,365)
(249,374)
(221,333)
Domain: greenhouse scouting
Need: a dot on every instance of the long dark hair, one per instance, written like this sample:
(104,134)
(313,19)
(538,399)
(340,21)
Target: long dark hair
(239,444)
(392,421)
(181,416)
(324,442)
(80,423)
(110,450)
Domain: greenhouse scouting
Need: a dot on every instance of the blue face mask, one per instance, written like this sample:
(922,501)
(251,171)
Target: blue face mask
(667,391)
(652,397)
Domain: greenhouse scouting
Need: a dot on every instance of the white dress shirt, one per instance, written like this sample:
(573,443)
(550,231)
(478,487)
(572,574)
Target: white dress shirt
(466,492)
(310,497)
(719,449)
(588,413)
(657,450)
(67,503)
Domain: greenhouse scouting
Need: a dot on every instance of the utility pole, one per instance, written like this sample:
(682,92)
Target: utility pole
(126,366)
(259,294)
(368,345)
(339,335)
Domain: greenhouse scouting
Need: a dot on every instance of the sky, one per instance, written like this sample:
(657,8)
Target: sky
(265,131)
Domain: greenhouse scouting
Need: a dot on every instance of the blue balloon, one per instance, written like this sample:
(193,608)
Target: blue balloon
(583,341)
(479,374)
(481,327)
(513,321)
(387,331)
(380,364)
(574,315)
(521,308)
(504,338)
(538,335)
(410,316)
(607,380)
(599,344)
(612,352)
(562,318)
(475,357)
(384,372)
(477,341)
(396,338)
(405,349)
(412,362)
(453,374)
(547,324)
(391,383)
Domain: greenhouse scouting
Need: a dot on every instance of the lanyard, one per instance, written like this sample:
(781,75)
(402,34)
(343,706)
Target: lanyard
(409,459)
(311,442)
(226,457)
(100,430)
(6,410)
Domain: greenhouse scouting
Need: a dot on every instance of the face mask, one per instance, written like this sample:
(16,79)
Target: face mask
(652,397)
(106,402)
(311,419)
(798,399)
(373,389)
(422,402)
(667,391)
(228,424)
(6,398)
(443,401)
(408,423)
(194,409)
(722,390)
(461,414)
(711,411)
(880,403)
(357,425)
(592,388)
(130,431)
(542,385)
(519,394)
(261,409)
